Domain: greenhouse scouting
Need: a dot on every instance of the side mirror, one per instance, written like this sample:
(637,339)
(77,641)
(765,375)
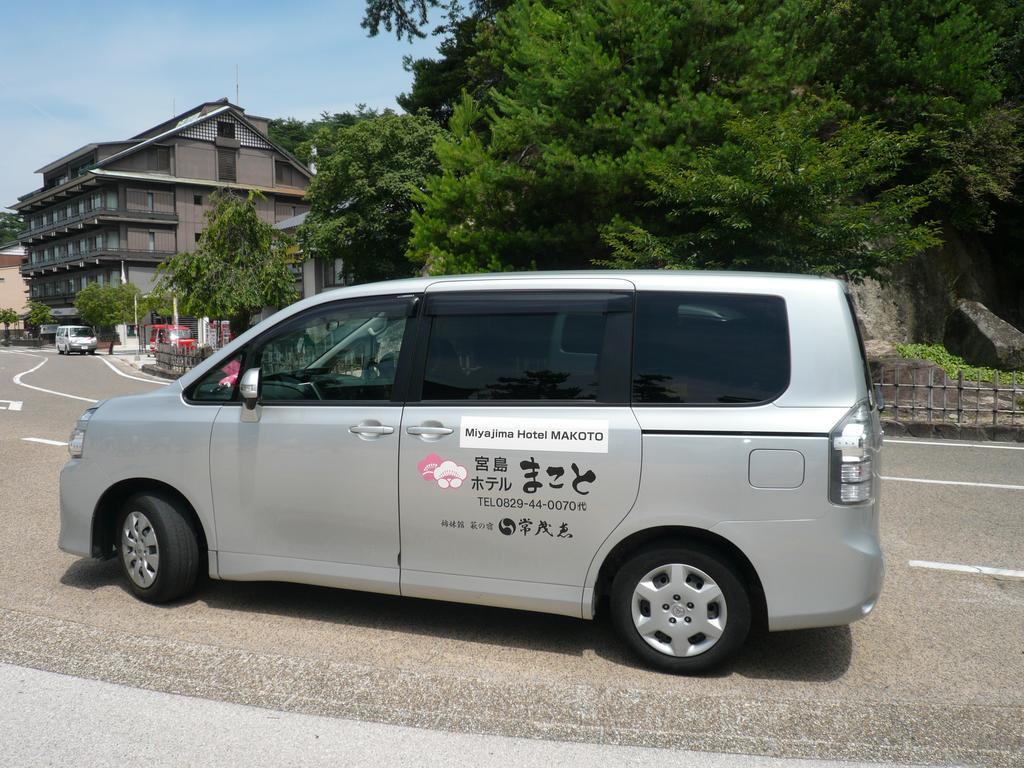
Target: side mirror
(249,388)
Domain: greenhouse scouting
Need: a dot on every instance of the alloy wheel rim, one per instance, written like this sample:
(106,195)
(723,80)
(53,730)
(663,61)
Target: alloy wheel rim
(139,549)
(679,610)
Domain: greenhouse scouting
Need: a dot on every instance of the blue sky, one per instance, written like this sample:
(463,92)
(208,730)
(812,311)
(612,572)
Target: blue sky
(80,72)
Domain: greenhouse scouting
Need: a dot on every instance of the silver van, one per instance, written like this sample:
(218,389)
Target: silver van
(688,453)
(75,338)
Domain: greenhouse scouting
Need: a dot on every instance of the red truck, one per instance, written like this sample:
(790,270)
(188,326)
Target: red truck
(176,335)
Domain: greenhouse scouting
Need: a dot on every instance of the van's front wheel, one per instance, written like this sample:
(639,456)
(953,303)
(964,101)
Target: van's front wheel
(680,609)
(158,547)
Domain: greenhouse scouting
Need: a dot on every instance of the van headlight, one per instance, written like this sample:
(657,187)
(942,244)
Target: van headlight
(851,448)
(77,440)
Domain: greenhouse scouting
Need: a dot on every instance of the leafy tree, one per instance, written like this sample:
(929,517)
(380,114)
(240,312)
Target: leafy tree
(942,69)
(10,225)
(595,95)
(8,317)
(294,135)
(157,301)
(242,264)
(681,134)
(406,17)
(38,314)
(466,62)
(105,306)
(785,193)
(361,197)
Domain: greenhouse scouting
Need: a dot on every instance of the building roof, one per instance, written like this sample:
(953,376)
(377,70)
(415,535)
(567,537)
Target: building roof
(292,222)
(198,114)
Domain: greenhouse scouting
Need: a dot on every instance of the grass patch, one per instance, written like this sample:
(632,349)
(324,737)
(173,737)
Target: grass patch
(954,365)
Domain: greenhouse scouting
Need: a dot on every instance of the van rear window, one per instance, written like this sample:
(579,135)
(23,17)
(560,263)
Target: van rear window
(710,348)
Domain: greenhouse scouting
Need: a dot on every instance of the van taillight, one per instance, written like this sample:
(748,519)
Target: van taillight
(851,446)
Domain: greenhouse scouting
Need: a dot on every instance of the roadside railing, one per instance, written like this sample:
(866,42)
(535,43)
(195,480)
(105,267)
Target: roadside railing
(926,393)
(177,359)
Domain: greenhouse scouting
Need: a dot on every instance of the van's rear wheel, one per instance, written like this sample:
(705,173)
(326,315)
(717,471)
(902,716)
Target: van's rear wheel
(680,609)
(159,548)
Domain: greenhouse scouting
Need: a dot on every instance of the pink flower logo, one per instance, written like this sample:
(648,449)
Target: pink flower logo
(446,473)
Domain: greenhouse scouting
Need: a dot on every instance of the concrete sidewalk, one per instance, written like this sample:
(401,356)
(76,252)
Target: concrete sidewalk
(52,719)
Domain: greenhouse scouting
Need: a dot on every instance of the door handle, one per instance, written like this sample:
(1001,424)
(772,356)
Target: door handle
(430,431)
(371,429)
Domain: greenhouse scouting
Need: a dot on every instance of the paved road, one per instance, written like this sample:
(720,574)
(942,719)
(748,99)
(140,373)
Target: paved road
(934,676)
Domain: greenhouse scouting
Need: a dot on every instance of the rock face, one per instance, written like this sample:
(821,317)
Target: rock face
(982,338)
(912,304)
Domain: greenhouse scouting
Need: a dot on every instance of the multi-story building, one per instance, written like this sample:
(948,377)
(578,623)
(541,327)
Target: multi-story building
(121,207)
(13,292)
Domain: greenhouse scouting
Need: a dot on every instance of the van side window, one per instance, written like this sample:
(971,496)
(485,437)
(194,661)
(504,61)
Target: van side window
(518,348)
(710,349)
(346,352)
(218,386)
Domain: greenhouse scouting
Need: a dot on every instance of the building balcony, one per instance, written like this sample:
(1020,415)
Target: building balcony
(95,217)
(95,256)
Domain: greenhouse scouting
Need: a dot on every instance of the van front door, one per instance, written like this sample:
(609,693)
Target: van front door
(308,492)
(519,451)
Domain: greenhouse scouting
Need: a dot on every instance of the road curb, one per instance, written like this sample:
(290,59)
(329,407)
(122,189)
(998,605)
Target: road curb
(1002,433)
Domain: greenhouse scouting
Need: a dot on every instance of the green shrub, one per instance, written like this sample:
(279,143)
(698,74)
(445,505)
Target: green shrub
(954,365)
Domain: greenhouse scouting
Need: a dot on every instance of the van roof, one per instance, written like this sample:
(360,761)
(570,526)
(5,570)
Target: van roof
(653,279)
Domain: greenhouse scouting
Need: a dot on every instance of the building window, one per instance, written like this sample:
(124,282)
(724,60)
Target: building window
(197,199)
(226,162)
(198,235)
(149,201)
(333,272)
(152,241)
(226,129)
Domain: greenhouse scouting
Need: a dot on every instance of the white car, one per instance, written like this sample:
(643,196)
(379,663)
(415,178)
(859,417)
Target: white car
(76,338)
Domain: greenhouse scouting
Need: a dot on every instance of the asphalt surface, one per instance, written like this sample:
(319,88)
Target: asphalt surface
(934,676)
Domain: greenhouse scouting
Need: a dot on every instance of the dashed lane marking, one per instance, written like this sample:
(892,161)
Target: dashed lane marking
(1005,573)
(942,444)
(11,405)
(1001,486)
(43,440)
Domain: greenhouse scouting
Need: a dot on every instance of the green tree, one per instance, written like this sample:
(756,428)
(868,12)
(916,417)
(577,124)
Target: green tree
(157,301)
(594,96)
(465,62)
(946,70)
(10,225)
(361,197)
(785,192)
(296,136)
(8,317)
(241,265)
(105,306)
(38,314)
(616,124)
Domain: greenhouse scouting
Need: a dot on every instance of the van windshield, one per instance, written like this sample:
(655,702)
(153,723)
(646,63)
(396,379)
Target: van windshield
(80,331)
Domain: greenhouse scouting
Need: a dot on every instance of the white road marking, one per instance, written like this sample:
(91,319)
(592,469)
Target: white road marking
(42,440)
(985,570)
(17,380)
(119,372)
(954,482)
(12,405)
(956,445)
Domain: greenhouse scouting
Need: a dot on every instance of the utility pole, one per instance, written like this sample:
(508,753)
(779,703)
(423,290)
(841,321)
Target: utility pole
(174,304)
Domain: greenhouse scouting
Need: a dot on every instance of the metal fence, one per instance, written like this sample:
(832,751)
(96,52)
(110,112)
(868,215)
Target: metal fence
(919,393)
(177,359)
